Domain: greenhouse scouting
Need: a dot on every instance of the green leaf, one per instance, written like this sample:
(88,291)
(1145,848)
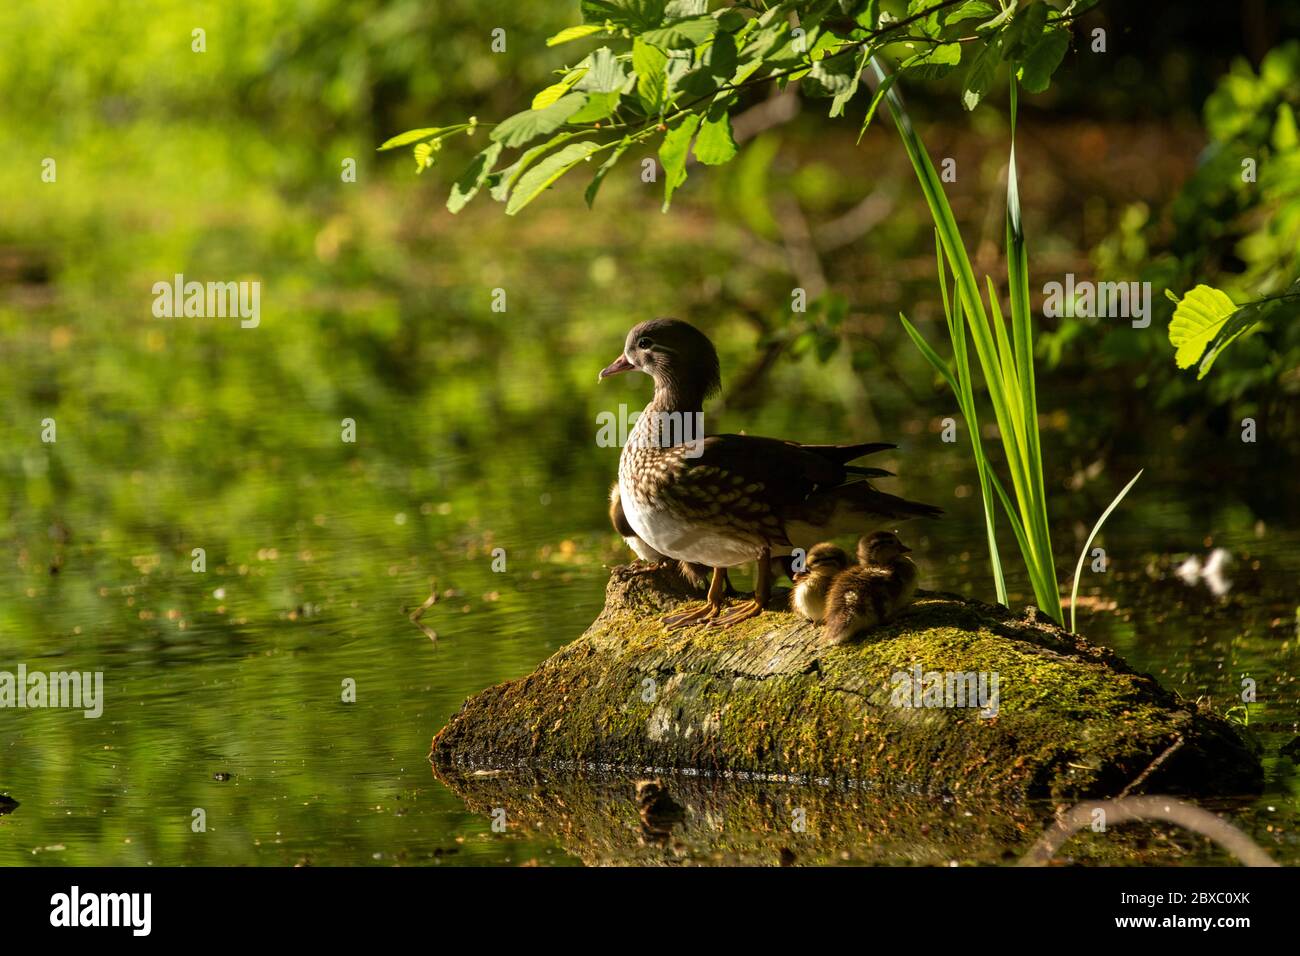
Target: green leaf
(605,72)
(698,83)
(575,33)
(672,154)
(676,72)
(980,75)
(928,24)
(1024,30)
(715,145)
(639,15)
(1043,58)
(603,171)
(649,62)
(552,93)
(720,56)
(882,90)
(416,135)
(598,106)
(471,180)
(505,180)
(1199,317)
(530,124)
(424,157)
(1246,318)
(999,21)
(971,10)
(835,76)
(761,43)
(682,34)
(538,179)
(934,63)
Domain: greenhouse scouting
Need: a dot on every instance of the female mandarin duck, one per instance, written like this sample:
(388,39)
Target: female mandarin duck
(725,500)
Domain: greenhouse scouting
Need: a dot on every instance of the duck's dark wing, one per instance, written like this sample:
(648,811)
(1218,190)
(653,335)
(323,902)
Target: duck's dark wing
(759,484)
(791,471)
(752,476)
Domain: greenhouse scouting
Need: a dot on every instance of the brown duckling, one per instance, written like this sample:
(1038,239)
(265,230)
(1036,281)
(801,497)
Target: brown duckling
(812,584)
(868,594)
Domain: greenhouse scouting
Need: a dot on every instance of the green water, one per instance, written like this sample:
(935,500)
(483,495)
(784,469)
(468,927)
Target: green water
(223,689)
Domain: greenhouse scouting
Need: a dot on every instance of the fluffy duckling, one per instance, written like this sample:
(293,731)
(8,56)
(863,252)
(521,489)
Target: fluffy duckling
(870,593)
(812,584)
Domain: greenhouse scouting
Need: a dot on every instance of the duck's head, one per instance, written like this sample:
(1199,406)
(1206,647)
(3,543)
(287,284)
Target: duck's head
(824,561)
(881,548)
(678,356)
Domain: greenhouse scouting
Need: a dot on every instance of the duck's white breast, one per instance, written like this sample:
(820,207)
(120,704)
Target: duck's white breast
(681,538)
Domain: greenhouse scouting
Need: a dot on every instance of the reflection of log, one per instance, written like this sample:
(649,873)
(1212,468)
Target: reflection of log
(768,697)
(601,819)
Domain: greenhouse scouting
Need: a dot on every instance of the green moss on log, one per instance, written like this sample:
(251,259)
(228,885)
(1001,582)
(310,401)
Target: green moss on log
(770,698)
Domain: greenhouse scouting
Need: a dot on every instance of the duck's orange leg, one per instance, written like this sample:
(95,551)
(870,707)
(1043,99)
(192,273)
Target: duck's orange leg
(762,594)
(702,613)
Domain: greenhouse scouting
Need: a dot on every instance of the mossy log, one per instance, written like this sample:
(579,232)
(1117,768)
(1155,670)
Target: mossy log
(771,699)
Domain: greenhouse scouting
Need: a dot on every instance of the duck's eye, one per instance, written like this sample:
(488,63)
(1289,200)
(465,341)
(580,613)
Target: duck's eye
(644,342)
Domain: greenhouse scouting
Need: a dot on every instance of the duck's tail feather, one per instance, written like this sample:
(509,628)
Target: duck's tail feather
(841,454)
(866,472)
(852,509)
(863,498)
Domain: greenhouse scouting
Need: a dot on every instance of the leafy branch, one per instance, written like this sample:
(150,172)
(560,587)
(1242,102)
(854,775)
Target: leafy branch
(1206,321)
(687,69)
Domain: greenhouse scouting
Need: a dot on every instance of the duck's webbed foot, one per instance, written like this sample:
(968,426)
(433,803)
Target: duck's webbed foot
(762,594)
(741,612)
(696,614)
(701,613)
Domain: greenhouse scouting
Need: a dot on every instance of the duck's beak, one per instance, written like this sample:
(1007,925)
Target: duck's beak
(620,364)
(904,549)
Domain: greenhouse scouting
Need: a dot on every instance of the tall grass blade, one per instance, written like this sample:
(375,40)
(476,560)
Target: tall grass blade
(965,394)
(1078,568)
(1023,345)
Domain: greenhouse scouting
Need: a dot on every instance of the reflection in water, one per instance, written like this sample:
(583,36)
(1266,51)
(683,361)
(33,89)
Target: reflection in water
(688,819)
(1213,572)
(1101,814)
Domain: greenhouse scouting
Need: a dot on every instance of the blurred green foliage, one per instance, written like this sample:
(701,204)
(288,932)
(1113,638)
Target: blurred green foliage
(1235,223)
